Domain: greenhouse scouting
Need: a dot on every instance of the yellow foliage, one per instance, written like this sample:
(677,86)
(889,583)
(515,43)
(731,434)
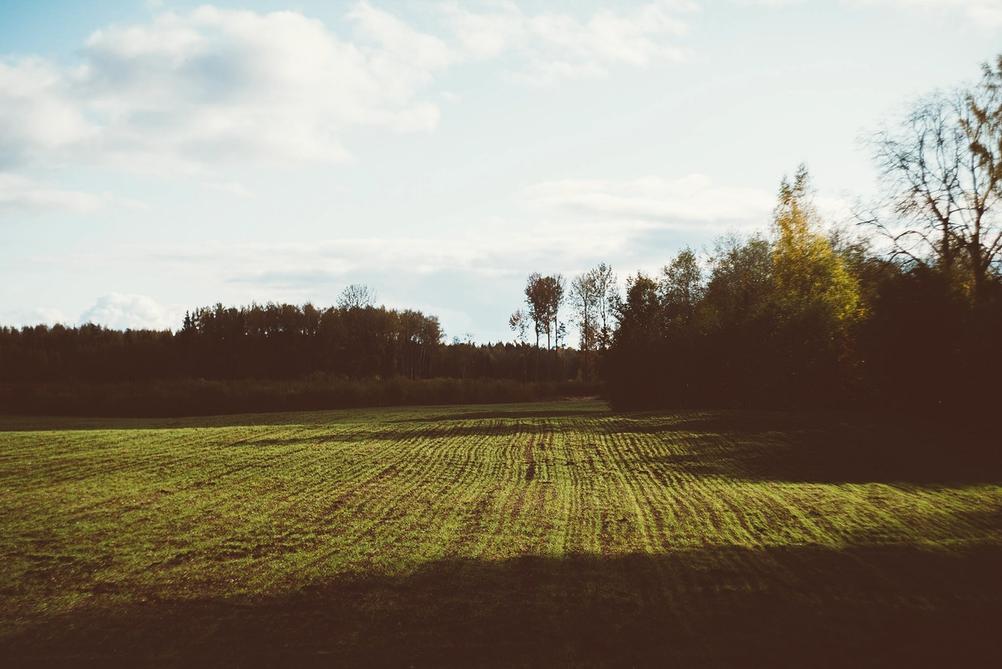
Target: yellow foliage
(807,269)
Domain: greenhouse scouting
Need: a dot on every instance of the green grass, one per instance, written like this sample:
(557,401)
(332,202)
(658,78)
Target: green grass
(506,534)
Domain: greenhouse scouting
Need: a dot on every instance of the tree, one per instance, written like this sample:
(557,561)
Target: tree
(356,296)
(584,298)
(606,285)
(682,286)
(980,233)
(919,166)
(635,373)
(518,322)
(536,300)
(555,298)
(819,301)
(942,175)
(808,272)
(594,300)
(544,295)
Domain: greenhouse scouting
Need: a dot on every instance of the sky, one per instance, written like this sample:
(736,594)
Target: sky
(158,156)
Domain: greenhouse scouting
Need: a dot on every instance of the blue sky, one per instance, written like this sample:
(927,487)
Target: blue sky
(158,156)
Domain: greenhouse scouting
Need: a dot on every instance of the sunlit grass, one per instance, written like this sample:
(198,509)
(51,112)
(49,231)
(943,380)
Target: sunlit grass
(102,516)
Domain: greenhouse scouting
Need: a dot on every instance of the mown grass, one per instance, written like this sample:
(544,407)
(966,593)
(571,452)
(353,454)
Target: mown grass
(497,535)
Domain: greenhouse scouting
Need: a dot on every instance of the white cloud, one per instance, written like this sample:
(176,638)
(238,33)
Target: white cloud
(37,112)
(987,13)
(558,45)
(292,266)
(567,226)
(694,204)
(20,194)
(120,311)
(690,202)
(767,3)
(194,91)
(114,310)
(214,86)
(489,32)
(403,47)
(32,316)
(984,13)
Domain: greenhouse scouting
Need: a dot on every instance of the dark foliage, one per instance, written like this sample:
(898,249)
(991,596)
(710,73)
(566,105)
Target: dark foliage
(809,319)
(918,343)
(269,358)
(274,341)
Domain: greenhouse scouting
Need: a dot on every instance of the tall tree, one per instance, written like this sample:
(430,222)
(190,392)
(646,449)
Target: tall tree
(536,301)
(584,299)
(543,296)
(594,299)
(635,372)
(981,230)
(608,302)
(555,287)
(809,274)
(682,286)
(942,173)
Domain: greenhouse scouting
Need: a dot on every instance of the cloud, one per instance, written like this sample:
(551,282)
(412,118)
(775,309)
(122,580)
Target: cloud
(32,316)
(114,310)
(402,46)
(294,266)
(984,13)
(767,3)
(38,115)
(564,225)
(987,13)
(20,194)
(120,311)
(220,86)
(690,202)
(196,91)
(464,281)
(555,45)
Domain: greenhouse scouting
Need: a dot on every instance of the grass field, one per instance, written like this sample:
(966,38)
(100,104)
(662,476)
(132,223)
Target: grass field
(497,535)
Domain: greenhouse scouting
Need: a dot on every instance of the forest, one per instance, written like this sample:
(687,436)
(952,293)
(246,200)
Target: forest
(900,310)
(903,312)
(271,357)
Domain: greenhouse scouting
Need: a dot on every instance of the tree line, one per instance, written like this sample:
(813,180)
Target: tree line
(907,313)
(272,357)
(272,341)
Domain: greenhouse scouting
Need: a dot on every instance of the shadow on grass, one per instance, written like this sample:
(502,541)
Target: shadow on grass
(806,606)
(598,412)
(828,448)
(756,445)
(321,417)
(769,446)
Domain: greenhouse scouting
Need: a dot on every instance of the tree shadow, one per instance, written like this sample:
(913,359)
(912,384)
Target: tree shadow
(10,423)
(513,414)
(796,606)
(825,448)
